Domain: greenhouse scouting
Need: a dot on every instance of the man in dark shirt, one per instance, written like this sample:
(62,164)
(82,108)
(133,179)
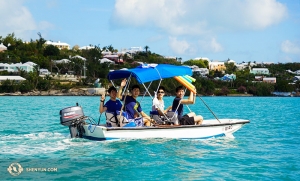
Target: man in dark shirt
(190,118)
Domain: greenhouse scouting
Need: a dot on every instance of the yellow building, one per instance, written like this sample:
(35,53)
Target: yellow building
(217,66)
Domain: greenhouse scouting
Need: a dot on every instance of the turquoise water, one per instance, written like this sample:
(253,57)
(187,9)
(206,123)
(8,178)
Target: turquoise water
(266,149)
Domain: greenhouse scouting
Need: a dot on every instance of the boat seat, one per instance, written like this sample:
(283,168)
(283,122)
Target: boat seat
(173,117)
(112,119)
(155,115)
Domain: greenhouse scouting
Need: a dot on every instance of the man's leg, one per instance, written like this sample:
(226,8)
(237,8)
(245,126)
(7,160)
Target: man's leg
(198,119)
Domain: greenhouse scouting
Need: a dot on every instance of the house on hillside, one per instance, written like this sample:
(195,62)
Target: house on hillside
(28,66)
(216,66)
(201,71)
(44,72)
(6,67)
(269,80)
(259,78)
(296,78)
(61,61)
(2,47)
(228,77)
(59,45)
(114,58)
(17,79)
(260,71)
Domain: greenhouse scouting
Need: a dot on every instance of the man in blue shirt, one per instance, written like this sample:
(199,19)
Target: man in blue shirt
(111,107)
(132,106)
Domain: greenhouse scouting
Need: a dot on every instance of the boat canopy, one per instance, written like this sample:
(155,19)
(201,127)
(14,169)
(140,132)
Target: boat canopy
(150,72)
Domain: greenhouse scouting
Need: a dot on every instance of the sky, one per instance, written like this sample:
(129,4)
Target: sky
(240,30)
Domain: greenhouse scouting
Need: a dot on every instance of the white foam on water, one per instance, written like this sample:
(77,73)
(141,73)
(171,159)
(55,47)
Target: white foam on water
(38,143)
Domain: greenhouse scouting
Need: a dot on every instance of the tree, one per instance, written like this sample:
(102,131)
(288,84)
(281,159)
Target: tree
(111,48)
(51,51)
(230,68)
(200,63)
(264,89)
(40,42)
(146,48)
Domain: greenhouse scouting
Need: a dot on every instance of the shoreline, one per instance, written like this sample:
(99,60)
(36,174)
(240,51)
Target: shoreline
(100,91)
(87,93)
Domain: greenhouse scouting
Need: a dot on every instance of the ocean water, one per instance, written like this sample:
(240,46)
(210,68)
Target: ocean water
(266,149)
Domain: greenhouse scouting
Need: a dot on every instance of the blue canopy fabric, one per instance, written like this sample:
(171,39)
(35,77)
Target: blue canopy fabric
(146,73)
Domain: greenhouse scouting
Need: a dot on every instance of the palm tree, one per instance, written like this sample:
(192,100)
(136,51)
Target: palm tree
(179,59)
(146,48)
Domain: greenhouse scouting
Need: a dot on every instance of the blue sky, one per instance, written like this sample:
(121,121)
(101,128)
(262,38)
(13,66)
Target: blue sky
(242,30)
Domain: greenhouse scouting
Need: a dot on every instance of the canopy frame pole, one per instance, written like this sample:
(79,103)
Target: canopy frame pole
(209,109)
(147,91)
(125,90)
(112,83)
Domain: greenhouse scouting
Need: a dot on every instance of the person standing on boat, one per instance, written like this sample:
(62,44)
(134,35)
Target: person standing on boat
(132,106)
(187,119)
(158,102)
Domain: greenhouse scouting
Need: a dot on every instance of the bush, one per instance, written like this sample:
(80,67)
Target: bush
(242,89)
(25,86)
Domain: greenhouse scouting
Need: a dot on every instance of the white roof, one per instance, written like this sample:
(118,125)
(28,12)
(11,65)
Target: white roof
(62,61)
(80,57)
(56,43)
(4,64)
(216,63)
(3,47)
(11,78)
(86,48)
(259,69)
(103,60)
(30,63)
(201,58)
(111,56)
(269,78)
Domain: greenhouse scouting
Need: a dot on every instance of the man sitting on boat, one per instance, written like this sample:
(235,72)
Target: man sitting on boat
(112,106)
(131,105)
(187,119)
(158,102)
(158,113)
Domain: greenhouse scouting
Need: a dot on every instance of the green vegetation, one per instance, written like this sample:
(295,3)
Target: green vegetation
(35,51)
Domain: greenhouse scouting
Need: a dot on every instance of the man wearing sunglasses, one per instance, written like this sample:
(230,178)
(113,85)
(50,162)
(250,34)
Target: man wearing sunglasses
(158,102)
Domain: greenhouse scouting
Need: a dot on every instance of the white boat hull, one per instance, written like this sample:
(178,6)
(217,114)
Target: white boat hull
(209,128)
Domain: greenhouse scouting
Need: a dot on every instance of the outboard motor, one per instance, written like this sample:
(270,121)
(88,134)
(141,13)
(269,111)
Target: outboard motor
(74,118)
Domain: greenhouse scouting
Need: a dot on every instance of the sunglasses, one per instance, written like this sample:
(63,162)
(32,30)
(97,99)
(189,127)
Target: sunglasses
(161,92)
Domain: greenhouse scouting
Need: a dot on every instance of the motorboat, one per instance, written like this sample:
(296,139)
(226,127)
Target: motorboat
(83,127)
